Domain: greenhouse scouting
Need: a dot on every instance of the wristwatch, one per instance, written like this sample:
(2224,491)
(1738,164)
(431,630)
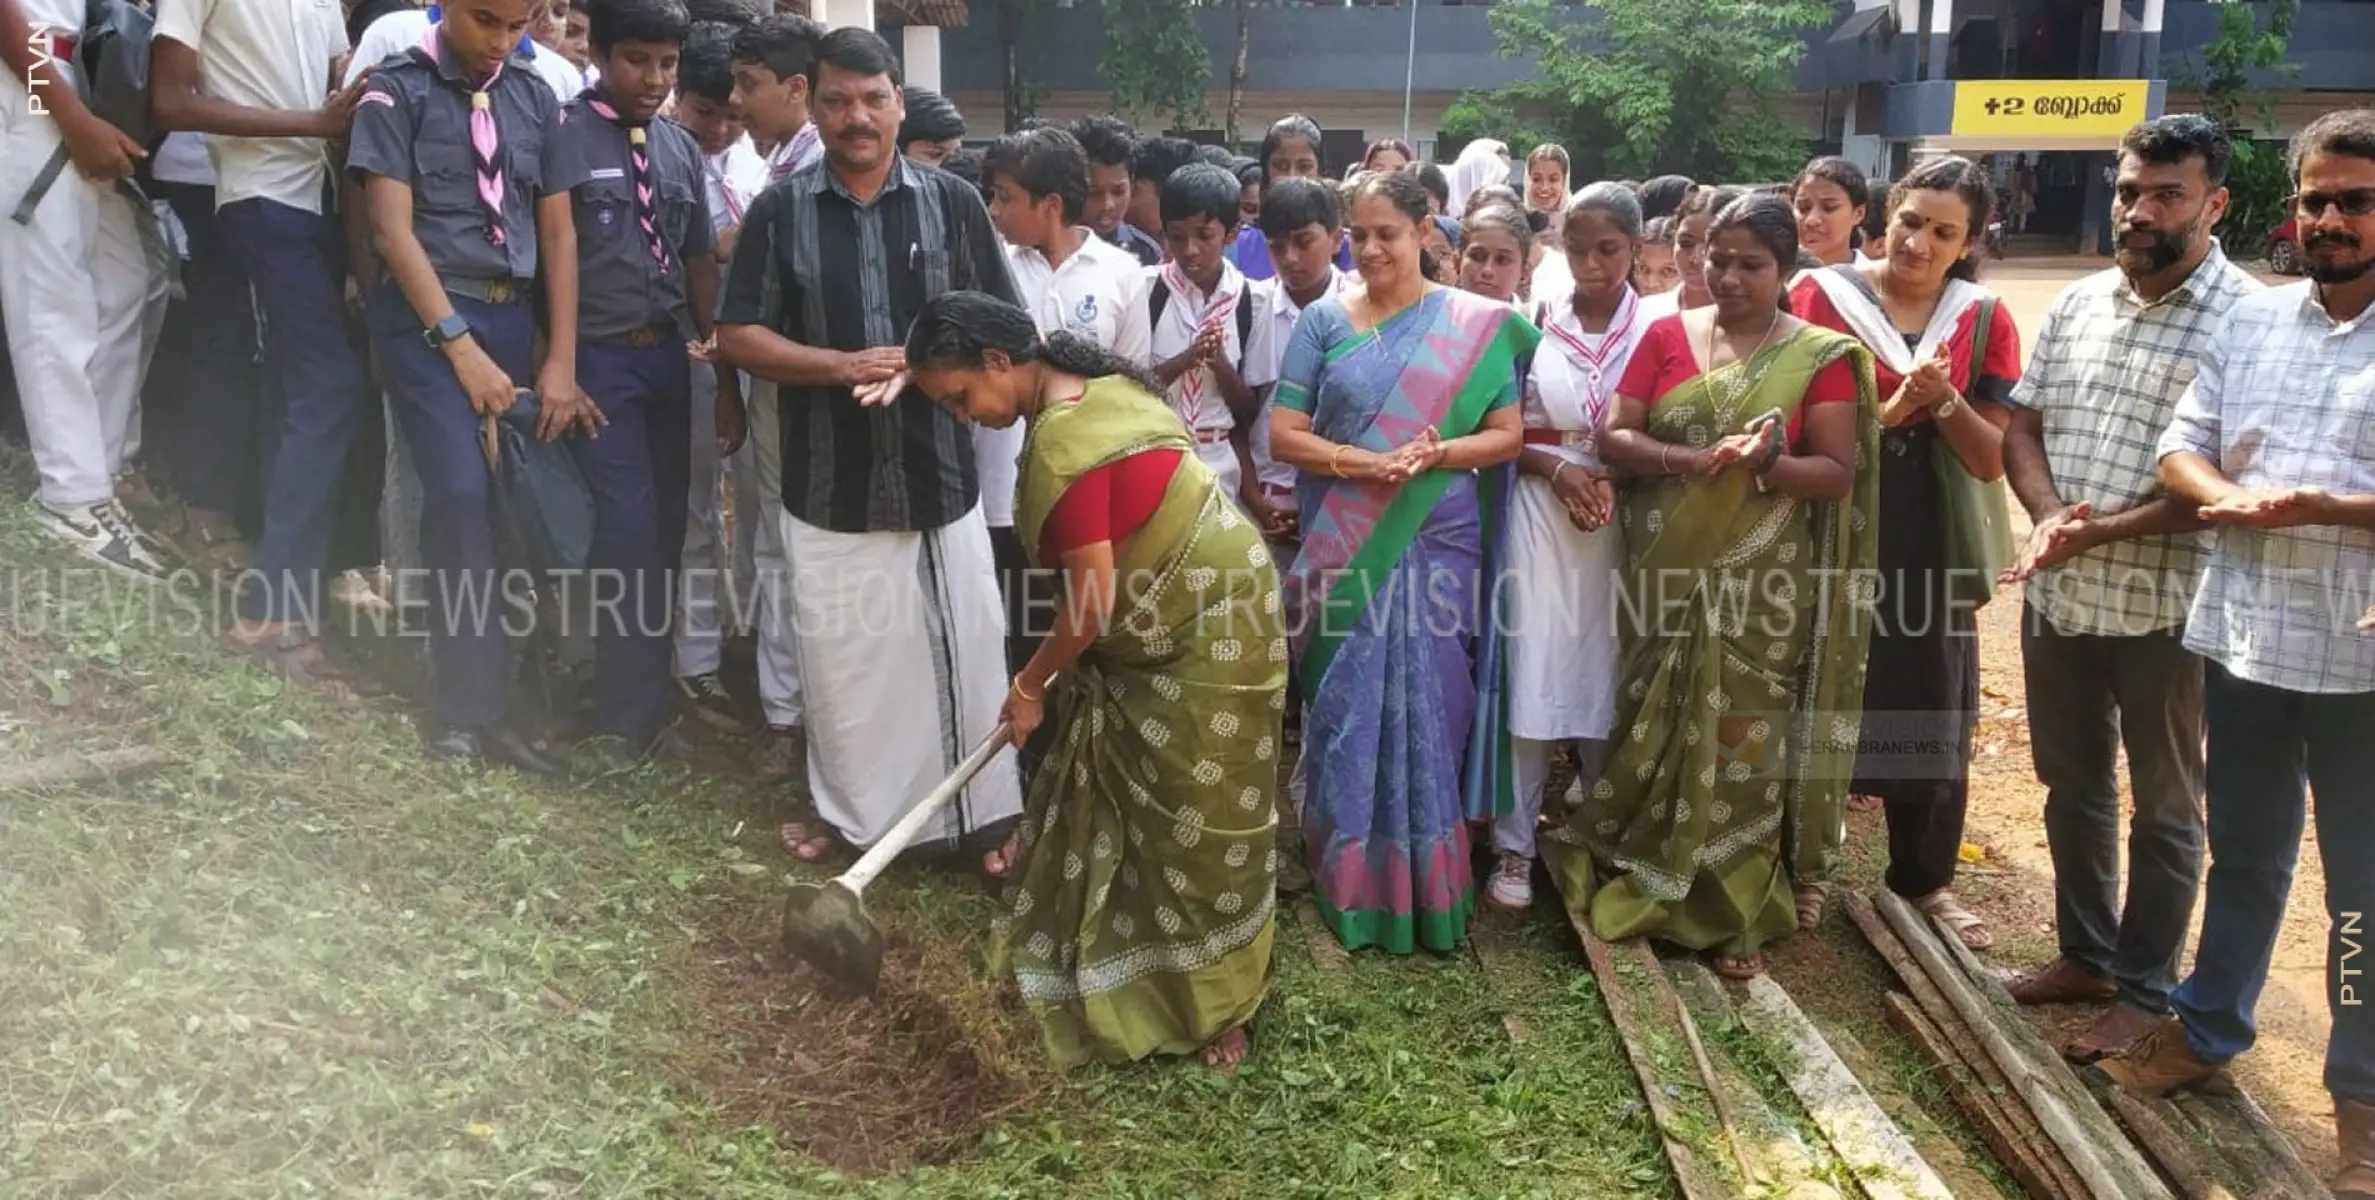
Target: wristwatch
(452,328)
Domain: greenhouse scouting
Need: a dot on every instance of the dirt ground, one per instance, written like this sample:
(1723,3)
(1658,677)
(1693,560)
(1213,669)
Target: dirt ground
(2006,817)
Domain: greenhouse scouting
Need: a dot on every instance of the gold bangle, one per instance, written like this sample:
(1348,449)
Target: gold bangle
(1664,450)
(1022,693)
(1336,461)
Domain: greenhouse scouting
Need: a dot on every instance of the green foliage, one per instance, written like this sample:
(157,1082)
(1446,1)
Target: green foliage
(1155,61)
(1646,87)
(2256,187)
(2254,43)
(2254,39)
(1482,115)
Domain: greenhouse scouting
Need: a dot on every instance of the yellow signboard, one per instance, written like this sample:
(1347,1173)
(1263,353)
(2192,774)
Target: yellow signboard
(2049,108)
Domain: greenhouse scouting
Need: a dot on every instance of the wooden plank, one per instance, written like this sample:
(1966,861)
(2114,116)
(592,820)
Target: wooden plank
(2178,1160)
(1492,957)
(1982,1108)
(2237,1128)
(1772,1151)
(1882,1159)
(1990,1081)
(2111,1168)
(1327,953)
(71,769)
(1698,1178)
(1742,1158)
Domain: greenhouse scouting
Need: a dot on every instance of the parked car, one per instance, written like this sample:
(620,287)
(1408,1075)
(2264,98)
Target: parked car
(2284,250)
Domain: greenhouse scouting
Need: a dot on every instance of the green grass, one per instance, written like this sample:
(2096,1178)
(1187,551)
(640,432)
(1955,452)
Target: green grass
(304,962)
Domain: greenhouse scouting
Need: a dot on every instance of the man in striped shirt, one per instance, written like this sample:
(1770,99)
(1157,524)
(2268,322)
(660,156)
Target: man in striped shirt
(2110,570)
(894,598)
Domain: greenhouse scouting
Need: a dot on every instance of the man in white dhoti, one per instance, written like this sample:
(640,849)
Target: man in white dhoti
(894,597)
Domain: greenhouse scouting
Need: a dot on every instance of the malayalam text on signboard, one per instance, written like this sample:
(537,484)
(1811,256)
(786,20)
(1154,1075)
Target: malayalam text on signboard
(2049,108)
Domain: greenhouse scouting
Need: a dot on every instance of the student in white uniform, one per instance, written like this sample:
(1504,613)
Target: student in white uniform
(733,175)
(1203,319)
(1564,547)
(1302,224)
(1068,279)
(398,32)
(84,303)
(772,62)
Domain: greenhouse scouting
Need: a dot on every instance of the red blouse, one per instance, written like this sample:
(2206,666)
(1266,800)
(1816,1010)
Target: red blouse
(1665,361)
(1107,504)
(1995,377)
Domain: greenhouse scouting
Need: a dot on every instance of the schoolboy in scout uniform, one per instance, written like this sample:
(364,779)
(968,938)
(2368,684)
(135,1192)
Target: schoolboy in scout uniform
(466,179)
(645,249)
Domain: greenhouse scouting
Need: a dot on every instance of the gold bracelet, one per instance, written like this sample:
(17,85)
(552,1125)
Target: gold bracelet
(1336,461)
(1665,449)
(1024,694)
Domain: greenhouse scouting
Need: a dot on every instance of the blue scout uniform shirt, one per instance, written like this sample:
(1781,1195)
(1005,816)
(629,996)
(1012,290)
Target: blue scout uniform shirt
(620,288)
(413,124)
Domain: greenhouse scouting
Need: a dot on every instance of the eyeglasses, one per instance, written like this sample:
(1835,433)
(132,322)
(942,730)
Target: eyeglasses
(2357,202)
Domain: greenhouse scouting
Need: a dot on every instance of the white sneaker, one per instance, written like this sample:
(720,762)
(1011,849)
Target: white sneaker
(1512,884)
(105,534)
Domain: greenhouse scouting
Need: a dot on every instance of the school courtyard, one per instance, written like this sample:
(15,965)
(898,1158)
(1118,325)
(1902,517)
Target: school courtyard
(277,953)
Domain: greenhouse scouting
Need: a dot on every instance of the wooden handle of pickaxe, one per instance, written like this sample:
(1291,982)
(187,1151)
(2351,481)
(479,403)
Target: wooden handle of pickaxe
(880,854)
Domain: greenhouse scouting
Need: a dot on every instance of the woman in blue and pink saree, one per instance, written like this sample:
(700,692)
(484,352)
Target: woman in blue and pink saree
(1398,401)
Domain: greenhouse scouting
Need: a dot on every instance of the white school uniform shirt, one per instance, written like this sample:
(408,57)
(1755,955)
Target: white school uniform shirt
(263,54)
(1196,395)
(732,177)
(1281,313)
(1097,294)
(184,158)
(400,31)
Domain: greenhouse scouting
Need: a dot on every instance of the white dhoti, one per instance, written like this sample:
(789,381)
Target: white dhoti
(1215,450)
(901,643)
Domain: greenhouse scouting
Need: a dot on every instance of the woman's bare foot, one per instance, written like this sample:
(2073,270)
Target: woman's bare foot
(804,845)
(1225,1052)
(998,862)
(1735,967)
(1863,804)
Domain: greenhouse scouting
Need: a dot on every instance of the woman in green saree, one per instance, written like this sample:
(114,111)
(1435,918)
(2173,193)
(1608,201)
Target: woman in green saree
(1143,886)
(1749,440)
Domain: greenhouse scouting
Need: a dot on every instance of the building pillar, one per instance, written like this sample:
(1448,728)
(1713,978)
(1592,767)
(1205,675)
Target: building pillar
(2148,43)
(1941,38)
(2107,50)
(920,56)
(1907,44)
(833,14)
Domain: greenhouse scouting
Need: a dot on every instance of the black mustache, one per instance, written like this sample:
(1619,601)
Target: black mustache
(2327,237)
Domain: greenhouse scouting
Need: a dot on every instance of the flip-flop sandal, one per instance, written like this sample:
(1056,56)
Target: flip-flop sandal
(1005,855)
(1966,925)
(803,845)
(291,655)
(1811,900)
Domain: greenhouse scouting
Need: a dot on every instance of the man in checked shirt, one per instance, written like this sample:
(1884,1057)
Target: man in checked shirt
(2110,569)
(2275,446)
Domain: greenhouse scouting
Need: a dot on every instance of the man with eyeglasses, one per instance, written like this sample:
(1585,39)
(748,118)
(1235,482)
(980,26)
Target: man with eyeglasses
(2275,445)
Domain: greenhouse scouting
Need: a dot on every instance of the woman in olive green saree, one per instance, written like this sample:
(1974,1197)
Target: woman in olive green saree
(1749,437)
(1142,889)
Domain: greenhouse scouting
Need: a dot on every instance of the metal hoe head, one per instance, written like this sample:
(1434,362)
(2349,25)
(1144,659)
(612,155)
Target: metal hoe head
(826,925)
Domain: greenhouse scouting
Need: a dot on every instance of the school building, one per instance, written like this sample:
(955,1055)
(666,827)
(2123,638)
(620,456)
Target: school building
(2042,85)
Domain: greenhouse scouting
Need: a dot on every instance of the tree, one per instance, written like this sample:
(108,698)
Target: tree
(1018,21)
(2253,45)
(1229,126)
(1155,60)
(1661,86)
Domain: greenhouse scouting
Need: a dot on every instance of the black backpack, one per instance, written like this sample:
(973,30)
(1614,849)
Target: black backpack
(1158,298)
